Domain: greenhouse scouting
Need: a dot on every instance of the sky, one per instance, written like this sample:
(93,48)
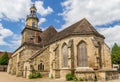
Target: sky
(103,15)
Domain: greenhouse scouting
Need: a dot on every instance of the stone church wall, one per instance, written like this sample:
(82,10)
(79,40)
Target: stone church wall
(107,63)
(14,65)
(27,35)
(76,40)
(44,58)
(92,54)
(90,49)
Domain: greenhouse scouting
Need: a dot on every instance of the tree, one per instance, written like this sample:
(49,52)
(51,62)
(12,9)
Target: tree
(4,59)
(115,53)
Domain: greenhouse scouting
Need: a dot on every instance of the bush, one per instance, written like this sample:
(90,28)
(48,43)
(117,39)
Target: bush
(95,80)
(38,75)
(35,75)
(74,78)
(86,79)
(69,77)
(30,76)
(81,79)
(52,76)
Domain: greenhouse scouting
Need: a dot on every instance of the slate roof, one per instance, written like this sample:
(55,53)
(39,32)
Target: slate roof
(82,27)
(48,34)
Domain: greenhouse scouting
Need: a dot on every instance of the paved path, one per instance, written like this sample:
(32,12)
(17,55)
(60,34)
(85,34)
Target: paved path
(4,77)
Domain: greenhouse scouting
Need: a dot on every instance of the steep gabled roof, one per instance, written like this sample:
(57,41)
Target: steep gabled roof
(82,27)
(48,34)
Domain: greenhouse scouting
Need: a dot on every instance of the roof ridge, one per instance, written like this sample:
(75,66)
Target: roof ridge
(80,22)
(82,27)
(72,25)
(50,27)
(92,29)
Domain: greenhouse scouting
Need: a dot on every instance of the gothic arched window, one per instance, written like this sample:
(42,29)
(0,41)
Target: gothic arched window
(65,55)
(82,59)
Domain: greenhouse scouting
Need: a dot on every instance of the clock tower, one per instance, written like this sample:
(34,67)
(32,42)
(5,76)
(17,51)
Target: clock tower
(31,32)
(32,19)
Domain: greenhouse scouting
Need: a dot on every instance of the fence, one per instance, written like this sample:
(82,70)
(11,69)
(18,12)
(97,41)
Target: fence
(3,68)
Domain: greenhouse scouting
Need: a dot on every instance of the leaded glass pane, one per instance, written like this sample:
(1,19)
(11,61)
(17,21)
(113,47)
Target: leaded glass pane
(82,55)
(65,56)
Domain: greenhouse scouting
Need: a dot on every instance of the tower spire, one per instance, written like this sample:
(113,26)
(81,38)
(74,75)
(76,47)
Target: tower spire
(33,9)
(32,19)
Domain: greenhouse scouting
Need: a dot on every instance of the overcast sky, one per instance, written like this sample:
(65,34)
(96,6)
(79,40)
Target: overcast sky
(104,15)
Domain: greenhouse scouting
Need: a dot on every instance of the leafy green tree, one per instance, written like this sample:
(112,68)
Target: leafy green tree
(4,59)
(115,53)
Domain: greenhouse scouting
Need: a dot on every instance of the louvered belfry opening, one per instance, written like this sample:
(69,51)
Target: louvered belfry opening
(82,60)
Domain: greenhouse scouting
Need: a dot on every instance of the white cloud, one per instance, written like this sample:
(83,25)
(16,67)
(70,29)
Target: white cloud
(57,21)
(111,34)
(41,20)
(96,11)
(2,41)
(41,10)
(4,33)
(2,50)
(14,41)
(15,10)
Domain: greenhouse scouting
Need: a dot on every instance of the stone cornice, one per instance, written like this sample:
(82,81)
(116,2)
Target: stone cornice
(30,28)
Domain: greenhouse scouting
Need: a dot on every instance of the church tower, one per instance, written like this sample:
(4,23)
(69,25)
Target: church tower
(31,32)
(32,19)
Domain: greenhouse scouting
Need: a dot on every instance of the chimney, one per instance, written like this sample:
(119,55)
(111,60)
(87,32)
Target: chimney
(36,39)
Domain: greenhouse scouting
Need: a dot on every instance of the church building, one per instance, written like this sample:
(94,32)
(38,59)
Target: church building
(78,49)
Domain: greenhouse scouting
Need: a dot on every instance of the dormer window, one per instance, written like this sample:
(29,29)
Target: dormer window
(33,24)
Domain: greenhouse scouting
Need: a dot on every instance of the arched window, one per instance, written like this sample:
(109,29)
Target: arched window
(41,67)
(82,60)
(33,24)
(65,55)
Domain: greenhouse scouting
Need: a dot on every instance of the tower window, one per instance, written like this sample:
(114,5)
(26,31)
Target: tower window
(33,24)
